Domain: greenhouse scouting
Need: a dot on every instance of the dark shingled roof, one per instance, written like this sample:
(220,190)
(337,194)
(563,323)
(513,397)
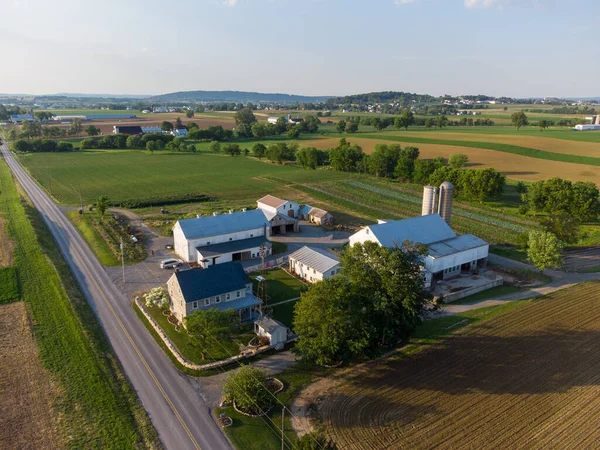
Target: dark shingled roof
(197,284)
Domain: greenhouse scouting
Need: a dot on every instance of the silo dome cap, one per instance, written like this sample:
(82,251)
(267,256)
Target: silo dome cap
(447,185)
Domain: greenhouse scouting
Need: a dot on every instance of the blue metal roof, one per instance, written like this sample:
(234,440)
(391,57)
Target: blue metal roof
(197,284)
(422,229)
(238,303)
(231,247)
(206,226)
(455,245)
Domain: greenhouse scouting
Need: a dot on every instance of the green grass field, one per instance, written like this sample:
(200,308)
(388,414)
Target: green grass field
(281,286)
(99,408)
(94,240)
(9,285)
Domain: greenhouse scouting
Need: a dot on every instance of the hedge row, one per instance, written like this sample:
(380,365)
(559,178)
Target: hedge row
(163,200)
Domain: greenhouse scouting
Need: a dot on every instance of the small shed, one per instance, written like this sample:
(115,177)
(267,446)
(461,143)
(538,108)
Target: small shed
(273,329)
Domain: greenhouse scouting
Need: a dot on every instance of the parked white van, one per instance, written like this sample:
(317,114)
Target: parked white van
(170,263)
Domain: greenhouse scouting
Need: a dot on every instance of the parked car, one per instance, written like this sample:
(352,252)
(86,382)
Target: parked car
(170,263)
(169,247)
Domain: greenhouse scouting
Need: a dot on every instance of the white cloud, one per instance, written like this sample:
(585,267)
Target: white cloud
(230,3)
(404,2)
(483,3)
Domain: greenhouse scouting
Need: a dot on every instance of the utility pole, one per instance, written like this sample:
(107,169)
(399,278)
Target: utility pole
(80,199)
(282,425)
(123,259)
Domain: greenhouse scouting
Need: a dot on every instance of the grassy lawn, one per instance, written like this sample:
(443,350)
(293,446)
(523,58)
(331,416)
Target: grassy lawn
(99,409)
(255,433)
(185,343)
(94,240)
(280,285)
(284,313)
(279,247)
(497,291)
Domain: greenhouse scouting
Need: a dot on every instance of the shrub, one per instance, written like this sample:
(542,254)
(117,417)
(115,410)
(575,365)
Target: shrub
(173,199)
(64,147)
(88,144)
(249,388)
(157,297)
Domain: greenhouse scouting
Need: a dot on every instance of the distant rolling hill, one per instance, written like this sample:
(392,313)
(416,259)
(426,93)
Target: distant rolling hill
(234,96)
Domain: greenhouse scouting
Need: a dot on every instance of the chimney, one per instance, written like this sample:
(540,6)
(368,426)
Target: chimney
(215,214)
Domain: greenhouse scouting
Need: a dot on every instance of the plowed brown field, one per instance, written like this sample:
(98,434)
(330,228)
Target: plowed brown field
(28,394)
(529,378)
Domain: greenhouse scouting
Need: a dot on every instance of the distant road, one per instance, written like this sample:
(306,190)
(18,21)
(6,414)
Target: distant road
(172,400)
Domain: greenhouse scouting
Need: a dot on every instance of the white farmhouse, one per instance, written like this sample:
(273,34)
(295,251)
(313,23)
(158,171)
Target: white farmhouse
(313,264)
(220,238)
(224,286)
(448,254)
(282,214)
(180,132)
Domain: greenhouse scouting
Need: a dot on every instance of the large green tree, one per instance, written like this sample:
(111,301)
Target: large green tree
(246,116)
(92,130)
(208,326)
(405,120)
(519,119)
(345,157)
(249,388)
(544,250)
(259,150)
(102,204)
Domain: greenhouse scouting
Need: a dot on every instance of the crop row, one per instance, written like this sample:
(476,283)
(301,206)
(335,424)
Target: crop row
(379,206)
(483,218)
(527,378)
(113,233)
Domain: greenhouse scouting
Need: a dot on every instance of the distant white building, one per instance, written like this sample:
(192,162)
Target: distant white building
(273,120)
(448,254)
(180,132)
(313,264)
(150,130)
(220,238)
(587,127)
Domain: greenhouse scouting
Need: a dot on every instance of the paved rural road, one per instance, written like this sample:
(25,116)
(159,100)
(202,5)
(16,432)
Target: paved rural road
(171,399)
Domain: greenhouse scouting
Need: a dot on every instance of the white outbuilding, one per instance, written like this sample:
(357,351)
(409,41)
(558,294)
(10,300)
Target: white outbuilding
(275,331)
(313,264)
(448,255)
(220,238)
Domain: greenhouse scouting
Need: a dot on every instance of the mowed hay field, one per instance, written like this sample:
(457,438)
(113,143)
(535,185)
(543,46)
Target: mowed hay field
(517,167)
(529,378)
(28,391)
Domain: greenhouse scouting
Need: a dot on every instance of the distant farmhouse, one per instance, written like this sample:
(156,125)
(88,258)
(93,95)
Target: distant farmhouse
(221,238)
(180,132)
(289,119)
(223,286)
(448,255)
(593,126)
(313,264)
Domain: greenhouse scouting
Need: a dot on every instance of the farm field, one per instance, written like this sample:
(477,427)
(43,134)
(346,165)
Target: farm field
(28,391)
(94,405)
(527,379)
(514,166)
(123,174)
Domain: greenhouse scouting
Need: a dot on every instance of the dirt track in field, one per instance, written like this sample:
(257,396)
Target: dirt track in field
(513,166)
(27,392)
(529,378)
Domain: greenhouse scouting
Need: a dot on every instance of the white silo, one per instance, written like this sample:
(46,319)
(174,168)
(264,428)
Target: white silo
(445,205)
(429,198)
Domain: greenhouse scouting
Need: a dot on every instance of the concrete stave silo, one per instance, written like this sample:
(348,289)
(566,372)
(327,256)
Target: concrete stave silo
(445,202)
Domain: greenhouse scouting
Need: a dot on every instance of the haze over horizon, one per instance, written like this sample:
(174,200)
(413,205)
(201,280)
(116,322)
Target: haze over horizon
(526,48)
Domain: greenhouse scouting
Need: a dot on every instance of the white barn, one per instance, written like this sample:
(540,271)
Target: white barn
(448,254)
(220,238)
(282,214)
(313,264)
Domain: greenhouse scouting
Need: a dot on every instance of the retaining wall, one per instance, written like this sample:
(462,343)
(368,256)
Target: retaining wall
(183,361)
(449,298)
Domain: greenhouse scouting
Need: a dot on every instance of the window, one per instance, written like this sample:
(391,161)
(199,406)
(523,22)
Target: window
(195,305)
(207,242)
(231,239)
(238,294)
(217,299)
(228,297)
(252,235)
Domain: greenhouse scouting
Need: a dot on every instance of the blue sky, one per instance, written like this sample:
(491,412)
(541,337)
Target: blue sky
(313,47)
